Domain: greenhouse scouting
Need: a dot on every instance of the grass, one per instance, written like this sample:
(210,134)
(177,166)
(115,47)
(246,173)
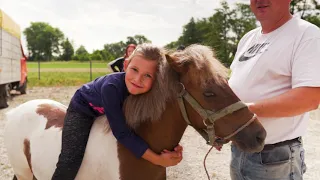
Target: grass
(70,73)
(48,79)
(69,64)
(72,76)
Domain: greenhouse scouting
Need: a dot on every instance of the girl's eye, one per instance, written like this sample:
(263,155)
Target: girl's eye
(148,75)
(135,69)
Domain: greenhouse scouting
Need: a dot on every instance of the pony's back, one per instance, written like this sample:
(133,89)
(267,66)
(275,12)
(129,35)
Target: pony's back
(33,141)
(23,123)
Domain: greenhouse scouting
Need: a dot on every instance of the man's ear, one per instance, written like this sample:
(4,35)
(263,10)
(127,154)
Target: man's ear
(173,62)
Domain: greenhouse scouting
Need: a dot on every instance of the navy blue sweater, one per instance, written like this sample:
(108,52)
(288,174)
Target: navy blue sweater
(106,95)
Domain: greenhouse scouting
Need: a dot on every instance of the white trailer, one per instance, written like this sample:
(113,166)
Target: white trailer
(13,71)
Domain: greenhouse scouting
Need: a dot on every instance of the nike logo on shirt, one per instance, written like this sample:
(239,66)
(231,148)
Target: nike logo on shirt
(253,51)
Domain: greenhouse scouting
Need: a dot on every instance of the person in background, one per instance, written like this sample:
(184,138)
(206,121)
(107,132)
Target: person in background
(117,64)
(181,47)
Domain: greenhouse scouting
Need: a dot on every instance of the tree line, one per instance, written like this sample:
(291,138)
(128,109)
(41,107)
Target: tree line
(46,43)
(221,31)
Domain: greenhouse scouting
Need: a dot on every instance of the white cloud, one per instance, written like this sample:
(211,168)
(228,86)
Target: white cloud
(97,22)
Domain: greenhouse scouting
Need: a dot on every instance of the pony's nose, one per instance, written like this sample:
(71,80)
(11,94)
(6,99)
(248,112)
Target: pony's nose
(261,136)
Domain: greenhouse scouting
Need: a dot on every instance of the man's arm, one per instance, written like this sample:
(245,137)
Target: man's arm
(294,102)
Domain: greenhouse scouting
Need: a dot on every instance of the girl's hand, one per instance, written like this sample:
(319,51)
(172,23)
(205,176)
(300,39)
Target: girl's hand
(178,149)
(169,158)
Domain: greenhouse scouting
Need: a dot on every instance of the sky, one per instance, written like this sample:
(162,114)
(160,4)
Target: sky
(97,22)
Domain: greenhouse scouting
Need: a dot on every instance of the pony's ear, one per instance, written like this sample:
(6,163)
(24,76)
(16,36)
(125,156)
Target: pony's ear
(173,62)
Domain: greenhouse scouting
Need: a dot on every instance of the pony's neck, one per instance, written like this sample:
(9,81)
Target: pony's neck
(167,132)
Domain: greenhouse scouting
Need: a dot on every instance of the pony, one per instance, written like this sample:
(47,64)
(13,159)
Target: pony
(191,89)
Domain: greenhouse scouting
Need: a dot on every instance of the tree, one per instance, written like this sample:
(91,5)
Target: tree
(96,55)
(106,55)
(241,20)
(221,31)
(304,7)
(140,39)
(81,50)
(68,50)
(82,54)
(137,39)
(115,49)
(309,10)
(173,45)
(190,34)
(314,19)
(43,40)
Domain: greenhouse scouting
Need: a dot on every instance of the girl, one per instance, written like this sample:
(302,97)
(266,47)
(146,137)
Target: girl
(106,95)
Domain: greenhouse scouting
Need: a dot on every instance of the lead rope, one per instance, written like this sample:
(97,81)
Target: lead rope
(204,162)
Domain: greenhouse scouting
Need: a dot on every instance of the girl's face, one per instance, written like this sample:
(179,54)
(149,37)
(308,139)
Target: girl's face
(130,50)
(140,74)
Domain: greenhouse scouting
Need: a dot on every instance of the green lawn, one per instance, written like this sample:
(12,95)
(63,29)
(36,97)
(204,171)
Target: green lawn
(68,77)
(70,64)
(61,78)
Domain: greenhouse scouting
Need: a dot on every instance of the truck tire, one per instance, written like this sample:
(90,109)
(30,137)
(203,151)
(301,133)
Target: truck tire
(23,88)
(3,96)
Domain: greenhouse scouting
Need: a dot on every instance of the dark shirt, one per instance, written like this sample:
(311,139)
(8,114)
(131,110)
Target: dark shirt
(106,95)
(117,63)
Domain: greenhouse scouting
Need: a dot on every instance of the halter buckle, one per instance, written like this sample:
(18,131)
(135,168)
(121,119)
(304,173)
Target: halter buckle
(211,125)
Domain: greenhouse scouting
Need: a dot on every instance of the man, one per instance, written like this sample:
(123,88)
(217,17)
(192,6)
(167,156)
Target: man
(276,71)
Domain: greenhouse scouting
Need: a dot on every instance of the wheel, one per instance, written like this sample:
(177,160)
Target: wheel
(23,88)
(3,96)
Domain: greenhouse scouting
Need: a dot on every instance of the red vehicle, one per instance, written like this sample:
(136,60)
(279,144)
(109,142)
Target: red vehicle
(13,65)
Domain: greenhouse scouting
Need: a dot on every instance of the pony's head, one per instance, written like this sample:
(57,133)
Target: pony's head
(199,82)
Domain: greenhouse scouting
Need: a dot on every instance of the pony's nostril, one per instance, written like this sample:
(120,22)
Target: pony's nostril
(260,140)
(261,136)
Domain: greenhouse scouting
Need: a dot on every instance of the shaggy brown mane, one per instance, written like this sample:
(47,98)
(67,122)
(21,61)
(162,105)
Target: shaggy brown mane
(202,67)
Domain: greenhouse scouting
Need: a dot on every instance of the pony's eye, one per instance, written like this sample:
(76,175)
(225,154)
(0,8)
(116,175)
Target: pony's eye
(209,94)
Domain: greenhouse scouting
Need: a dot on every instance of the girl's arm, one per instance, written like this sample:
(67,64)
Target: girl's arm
(113,109)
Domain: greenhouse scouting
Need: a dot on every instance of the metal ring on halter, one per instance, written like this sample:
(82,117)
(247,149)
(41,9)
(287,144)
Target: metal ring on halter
(183,91)
(204,122)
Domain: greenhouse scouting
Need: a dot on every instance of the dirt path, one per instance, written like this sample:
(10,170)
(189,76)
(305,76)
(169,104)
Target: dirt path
(191,167)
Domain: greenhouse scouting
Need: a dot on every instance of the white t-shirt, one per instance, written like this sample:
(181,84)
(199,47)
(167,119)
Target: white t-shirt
(267,65)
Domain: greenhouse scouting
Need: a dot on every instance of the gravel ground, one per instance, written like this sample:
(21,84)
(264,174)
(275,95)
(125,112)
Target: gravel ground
(191,168)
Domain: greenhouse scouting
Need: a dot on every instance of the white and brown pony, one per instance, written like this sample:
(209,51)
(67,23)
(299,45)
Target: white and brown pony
(191,89)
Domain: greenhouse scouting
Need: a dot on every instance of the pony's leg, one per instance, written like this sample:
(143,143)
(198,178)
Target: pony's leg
(18,160)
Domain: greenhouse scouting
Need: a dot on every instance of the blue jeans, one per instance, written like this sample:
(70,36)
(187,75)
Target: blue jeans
(285,162)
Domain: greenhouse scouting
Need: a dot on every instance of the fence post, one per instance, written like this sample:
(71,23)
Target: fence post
(90,70)
(38,68)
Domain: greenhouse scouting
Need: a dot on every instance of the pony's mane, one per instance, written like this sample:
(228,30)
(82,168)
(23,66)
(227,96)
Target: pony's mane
(202,68)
